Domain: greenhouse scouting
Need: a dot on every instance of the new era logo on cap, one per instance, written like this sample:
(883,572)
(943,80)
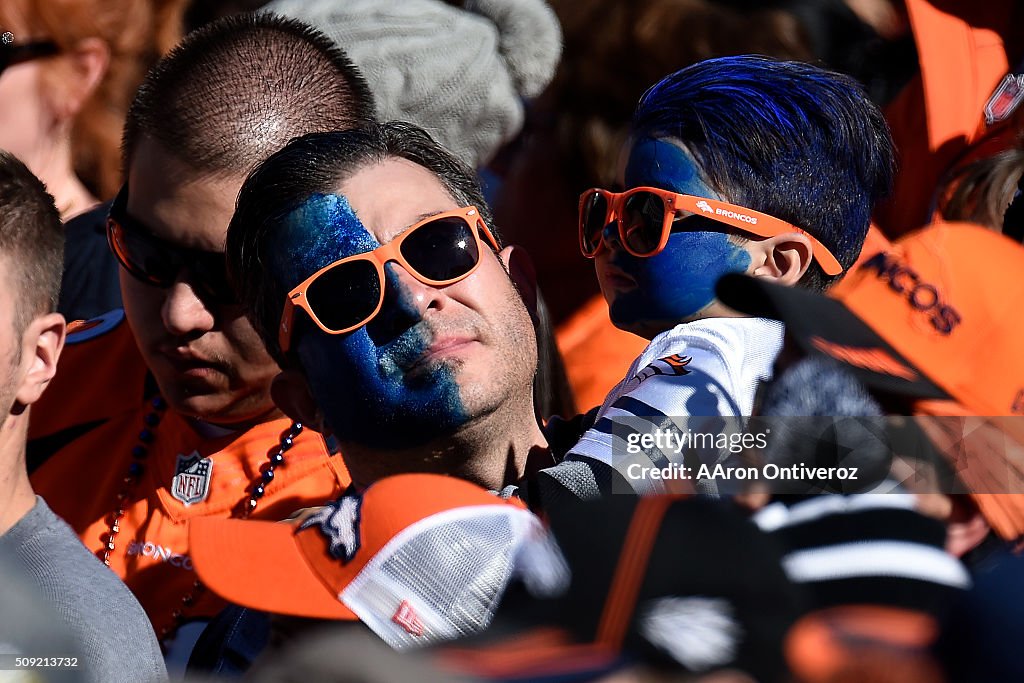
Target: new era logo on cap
(405,616)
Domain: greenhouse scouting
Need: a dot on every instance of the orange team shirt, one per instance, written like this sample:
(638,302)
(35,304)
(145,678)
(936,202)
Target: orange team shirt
(937,120)
(597,354)
(82,480)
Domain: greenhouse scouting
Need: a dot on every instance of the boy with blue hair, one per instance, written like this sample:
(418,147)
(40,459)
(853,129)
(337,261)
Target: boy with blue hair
(736,164)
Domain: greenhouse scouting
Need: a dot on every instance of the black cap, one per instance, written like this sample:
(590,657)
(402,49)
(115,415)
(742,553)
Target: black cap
(821,325)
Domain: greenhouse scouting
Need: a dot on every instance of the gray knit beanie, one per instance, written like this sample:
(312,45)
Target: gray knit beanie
(461,74)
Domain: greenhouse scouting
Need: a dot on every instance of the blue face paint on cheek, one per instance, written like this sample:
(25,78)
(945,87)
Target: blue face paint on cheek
(374,396)
(679,282)
(676,284)
(371,394)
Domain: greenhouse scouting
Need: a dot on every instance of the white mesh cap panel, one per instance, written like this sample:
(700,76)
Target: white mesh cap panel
(442,577)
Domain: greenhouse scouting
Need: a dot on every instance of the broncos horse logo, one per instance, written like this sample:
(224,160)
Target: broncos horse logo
(339,522)
(669,365)
(705,207)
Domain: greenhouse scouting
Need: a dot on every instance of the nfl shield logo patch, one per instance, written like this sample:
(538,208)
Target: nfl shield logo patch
(191,482)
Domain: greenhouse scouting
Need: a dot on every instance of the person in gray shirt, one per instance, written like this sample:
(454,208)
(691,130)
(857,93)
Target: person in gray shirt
(109,628)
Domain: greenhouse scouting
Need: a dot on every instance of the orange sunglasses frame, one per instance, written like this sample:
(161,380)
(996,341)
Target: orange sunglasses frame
(379,257)
(753,222)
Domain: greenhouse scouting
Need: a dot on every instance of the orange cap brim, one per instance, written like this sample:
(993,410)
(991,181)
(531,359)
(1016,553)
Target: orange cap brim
(281,582)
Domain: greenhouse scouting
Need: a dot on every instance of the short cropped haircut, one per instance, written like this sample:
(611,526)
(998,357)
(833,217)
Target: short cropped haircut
(318,163)
(786,138)
(239,88)
(31,241)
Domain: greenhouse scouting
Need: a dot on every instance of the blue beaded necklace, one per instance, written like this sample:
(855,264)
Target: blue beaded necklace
(137,468)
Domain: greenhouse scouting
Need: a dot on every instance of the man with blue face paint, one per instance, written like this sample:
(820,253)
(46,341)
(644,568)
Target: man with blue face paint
(734,165)
(365,261)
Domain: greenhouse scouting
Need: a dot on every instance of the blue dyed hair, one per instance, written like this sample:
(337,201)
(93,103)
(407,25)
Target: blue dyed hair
(792,140)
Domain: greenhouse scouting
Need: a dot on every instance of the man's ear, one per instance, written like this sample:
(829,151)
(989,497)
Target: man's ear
(41,344)
(783,258)
(290,392)
(524,275)
(80,73)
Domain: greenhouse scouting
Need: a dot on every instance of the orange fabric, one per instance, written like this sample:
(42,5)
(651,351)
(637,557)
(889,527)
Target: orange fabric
(876,360)
(234,556)
(597,354)
(939,116)
(103,378)
(874,242)
(631,569)
(822,644)
(946,297)
(987,454)
(92,365)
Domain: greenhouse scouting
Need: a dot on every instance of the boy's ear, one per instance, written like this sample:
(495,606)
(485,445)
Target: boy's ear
(783,258)
(523,274)
(290,392)
(41,344)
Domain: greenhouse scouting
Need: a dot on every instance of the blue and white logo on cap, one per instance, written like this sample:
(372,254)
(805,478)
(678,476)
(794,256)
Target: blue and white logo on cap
(339,522)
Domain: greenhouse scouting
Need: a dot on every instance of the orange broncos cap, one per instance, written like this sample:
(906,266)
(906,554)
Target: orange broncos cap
(943,307)
(303,566)
(949,297)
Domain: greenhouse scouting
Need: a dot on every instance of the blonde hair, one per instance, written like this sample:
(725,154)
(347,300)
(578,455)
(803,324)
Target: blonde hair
(980,191)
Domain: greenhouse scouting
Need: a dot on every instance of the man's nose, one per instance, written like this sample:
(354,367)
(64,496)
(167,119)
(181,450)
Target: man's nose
(610,235)
(184,312)
(406,302)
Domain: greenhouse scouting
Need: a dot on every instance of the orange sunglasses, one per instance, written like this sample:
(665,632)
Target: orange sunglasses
(347,294)
(645,215)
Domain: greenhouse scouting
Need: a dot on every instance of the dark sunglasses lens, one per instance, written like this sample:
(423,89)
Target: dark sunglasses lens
(345,296)
(642,217)
(594,219)
(145,258)
(210,275)
(443,249)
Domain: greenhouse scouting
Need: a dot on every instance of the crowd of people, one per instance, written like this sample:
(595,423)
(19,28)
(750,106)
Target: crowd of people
(716,381)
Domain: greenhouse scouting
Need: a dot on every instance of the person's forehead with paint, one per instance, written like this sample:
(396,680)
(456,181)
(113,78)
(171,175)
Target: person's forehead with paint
(647,288)
(387,291)
(732,165)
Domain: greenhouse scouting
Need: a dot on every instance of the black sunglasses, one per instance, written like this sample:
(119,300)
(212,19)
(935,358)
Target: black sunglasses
(159,263)
(11,54)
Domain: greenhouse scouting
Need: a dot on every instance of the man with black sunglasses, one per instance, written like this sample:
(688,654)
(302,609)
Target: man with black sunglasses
(163,410)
